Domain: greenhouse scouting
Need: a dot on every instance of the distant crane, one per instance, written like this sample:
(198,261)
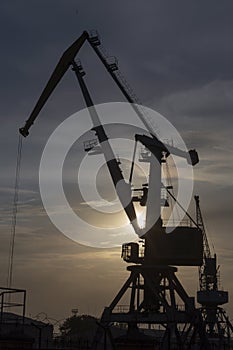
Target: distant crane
(218,327)
(153,288)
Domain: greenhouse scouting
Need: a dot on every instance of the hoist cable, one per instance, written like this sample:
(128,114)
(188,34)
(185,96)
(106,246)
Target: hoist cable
(133,161)
(14,213)
(188,215)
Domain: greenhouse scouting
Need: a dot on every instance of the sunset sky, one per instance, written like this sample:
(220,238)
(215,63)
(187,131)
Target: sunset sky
(178,57)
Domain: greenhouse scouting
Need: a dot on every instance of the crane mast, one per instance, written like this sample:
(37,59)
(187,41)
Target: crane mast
(208,270)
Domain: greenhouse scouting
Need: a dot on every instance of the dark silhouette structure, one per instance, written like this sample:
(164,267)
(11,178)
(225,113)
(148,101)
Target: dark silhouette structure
(156,298)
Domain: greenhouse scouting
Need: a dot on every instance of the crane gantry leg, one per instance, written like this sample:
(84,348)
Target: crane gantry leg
(158,301)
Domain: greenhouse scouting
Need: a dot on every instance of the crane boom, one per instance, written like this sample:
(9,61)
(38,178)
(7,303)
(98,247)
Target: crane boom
(122,188)
(59,71)
(191,156)
(61,68)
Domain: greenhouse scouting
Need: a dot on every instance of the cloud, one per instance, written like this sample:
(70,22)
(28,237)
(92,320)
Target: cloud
(211,102)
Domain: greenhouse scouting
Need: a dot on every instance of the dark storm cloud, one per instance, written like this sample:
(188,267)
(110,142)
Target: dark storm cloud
(167,46)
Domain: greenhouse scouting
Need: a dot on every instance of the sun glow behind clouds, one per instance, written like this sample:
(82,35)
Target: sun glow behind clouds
(141,218)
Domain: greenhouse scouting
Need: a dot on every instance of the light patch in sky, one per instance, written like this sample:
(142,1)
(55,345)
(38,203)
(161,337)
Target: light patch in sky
(98,225)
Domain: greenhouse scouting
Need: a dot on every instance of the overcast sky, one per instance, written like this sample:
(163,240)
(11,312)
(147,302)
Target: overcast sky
(178,57)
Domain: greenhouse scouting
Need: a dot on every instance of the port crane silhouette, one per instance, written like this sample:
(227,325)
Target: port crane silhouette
(153,287)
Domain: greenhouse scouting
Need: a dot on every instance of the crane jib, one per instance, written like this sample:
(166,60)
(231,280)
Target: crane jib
(67,59)
(122,188)
(59,71)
